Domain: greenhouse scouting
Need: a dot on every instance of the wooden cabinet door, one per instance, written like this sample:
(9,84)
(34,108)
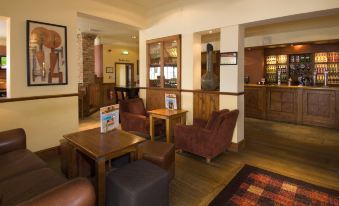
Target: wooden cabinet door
(255,102)
(282,104)
(319,107)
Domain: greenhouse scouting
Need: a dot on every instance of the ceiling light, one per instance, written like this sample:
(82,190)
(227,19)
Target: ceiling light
(125,52)
(210,31)
(133,37)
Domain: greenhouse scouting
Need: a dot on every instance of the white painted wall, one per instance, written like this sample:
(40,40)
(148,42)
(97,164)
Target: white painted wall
(45,121)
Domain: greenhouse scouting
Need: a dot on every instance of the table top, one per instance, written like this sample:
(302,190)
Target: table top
(167,112)
(103,144)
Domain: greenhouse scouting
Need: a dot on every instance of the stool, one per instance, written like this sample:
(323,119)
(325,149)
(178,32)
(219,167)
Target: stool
(159,153)
(139,183)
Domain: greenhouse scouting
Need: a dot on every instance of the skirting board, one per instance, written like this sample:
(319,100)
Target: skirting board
(48,151)
(237,147)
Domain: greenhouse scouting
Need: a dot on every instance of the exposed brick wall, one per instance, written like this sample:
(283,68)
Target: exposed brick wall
(79,59)
(86,58)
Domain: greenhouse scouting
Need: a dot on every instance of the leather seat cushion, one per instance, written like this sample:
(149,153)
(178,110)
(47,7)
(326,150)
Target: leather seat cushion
(18,162)
(23,187)
(160,153)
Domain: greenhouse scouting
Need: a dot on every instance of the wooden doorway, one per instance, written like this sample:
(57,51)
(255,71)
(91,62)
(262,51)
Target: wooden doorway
(124,74)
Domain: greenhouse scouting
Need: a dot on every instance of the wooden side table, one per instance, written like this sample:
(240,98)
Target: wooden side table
(169,115)
(102,147)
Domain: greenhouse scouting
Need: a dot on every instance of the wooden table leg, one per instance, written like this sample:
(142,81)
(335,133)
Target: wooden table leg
(168,130)
(72,169)
(183,119)
(101,181)
(151,124)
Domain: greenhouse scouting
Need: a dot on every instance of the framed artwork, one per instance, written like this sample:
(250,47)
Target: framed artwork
(109,69)
(46,54)
(228,58)
(109,75)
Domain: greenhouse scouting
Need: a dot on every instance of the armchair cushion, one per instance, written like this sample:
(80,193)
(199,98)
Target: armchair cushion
(213,120)
(199,122)
(192,139)
(135,106)
(11,140)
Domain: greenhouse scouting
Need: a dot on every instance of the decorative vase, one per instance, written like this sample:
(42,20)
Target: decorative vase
(209,79)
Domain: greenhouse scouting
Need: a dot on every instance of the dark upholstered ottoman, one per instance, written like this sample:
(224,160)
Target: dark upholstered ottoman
(159,153)
(139,183)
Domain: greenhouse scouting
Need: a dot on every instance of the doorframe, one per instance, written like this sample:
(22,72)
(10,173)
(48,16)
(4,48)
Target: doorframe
(126,64)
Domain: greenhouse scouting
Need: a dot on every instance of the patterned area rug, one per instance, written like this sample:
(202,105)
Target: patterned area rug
(255,186)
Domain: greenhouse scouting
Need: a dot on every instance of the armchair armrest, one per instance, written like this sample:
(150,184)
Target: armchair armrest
(199,122)
(11,140)
(184,134)
(77,192)
(133,122)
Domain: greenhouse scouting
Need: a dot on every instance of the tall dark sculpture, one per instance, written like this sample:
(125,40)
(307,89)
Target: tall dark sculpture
(209,80)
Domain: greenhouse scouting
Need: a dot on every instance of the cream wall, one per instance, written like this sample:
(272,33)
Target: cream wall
(45,121)
(115,56)
(205,15)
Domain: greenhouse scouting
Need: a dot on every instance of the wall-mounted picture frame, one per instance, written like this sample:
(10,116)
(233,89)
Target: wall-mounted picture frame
(46,54)
(109,69)
(109,75)
(228,58)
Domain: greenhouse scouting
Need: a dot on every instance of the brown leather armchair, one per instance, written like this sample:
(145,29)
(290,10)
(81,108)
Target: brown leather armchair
(207,139)
(134,117)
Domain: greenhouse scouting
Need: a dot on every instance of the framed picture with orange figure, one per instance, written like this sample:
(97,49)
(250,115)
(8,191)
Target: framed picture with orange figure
(46,54)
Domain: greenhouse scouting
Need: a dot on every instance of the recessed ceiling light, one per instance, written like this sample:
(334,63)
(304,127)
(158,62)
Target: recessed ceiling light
(134,37)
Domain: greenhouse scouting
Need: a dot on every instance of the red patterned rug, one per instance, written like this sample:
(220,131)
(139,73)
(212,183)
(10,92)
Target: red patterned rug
(255,186)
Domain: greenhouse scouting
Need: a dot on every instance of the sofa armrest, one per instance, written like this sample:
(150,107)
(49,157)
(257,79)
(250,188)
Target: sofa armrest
(77,192)
(199,122)
(11,140)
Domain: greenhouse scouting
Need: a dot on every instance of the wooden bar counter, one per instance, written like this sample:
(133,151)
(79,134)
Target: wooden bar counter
(317,106)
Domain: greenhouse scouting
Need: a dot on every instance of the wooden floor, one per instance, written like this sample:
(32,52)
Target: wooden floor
(307,153)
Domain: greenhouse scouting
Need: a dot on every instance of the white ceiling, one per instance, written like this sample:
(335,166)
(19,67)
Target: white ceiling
(139,5)
(2,29)
(110,32)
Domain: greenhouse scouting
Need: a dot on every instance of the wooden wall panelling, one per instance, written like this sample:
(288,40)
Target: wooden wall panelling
(255,102)
(282,104)
(319,107)
(254,64)
(337,109)
(204,104)
(302,48)
(108,95)
(156,98)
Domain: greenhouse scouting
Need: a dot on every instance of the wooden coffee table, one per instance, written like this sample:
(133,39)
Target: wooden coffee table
(169,115)
(102,147)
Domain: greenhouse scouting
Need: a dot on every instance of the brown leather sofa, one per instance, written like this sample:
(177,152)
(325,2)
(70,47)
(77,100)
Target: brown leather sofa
(26,180)
(134,117)
(207,138)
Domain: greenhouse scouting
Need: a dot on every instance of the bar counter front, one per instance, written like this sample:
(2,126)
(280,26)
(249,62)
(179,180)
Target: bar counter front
(317,106)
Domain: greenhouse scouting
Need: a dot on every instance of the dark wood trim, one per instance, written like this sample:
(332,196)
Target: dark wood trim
(163,39)
(126,64)
(19,99)
(48,151)
(237,147)
(194,91)
(214,92)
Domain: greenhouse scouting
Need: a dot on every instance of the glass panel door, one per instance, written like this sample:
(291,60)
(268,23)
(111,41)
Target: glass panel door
(170,63)
(155,66)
